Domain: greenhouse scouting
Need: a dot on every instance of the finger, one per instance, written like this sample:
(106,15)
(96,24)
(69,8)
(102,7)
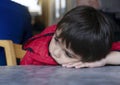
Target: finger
(75,64)
(72,64)
(90,65)
(64,65)
(85,65)
(80,66)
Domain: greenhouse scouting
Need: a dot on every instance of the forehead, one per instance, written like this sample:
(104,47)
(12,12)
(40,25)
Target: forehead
(58,32)
(62,39)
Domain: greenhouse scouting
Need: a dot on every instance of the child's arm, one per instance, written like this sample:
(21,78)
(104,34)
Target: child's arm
(112,58)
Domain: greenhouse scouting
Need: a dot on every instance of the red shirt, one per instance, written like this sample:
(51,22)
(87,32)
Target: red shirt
(37,48)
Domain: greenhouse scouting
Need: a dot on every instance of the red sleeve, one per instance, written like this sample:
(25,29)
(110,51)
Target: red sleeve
(116,46)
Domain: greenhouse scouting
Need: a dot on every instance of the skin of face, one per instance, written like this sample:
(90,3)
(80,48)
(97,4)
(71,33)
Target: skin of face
(60,53)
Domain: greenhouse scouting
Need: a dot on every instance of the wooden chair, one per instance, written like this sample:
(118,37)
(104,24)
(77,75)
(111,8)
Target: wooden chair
(12,51)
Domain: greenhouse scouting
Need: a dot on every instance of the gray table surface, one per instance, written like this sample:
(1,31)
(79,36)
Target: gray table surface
(56,75)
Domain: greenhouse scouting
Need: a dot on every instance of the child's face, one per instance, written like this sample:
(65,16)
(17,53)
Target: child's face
(60,53)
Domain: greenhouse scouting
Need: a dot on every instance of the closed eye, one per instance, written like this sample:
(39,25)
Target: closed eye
(56,39)
(68,54)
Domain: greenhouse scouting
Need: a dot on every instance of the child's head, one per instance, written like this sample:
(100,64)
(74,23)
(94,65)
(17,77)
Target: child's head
(84,34)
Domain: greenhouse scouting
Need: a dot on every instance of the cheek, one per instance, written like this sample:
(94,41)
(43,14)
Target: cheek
(54,48)
(57,52)
(51,47)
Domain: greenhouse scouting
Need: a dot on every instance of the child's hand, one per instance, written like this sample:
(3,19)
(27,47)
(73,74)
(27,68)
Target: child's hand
(112,58)
(81,65)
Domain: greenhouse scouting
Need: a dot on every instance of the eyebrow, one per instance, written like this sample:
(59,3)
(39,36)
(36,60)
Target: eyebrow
(68,54)
(57,37)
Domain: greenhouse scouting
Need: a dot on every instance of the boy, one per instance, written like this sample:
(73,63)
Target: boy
(83,38)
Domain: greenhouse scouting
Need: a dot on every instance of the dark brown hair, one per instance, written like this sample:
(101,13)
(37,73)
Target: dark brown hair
(87,31)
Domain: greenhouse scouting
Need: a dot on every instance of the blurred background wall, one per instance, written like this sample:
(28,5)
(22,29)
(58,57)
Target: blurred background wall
(49,12)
